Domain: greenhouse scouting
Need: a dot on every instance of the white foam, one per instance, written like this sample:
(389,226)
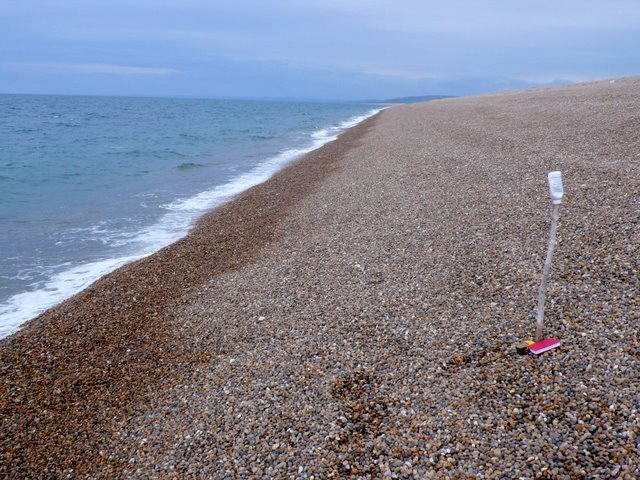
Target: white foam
(24,306)
(221,193)
(171,227)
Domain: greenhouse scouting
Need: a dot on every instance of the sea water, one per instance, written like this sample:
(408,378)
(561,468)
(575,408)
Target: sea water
(88,184)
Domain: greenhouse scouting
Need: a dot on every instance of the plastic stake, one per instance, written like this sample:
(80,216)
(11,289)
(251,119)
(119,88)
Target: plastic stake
(557,191)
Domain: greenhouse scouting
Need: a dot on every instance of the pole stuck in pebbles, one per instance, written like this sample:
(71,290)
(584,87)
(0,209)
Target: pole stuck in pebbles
(555,186)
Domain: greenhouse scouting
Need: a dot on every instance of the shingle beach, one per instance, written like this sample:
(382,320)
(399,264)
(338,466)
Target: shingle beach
(356,315)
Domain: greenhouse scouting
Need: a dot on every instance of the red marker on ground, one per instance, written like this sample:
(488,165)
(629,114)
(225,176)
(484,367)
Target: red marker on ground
(544,345)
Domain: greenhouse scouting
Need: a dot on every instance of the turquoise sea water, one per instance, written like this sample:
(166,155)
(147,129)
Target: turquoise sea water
(90,183)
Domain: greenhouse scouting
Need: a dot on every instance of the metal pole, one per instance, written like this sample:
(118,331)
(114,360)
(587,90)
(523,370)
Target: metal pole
(542,292)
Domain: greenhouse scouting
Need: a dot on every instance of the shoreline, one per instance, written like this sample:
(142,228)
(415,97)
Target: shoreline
(20,307)
(355,315)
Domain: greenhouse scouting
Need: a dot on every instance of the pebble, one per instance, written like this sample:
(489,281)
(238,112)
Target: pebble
(356,315)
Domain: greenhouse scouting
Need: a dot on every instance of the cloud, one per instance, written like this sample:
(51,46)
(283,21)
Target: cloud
(551,78)
(404,74)
(332,48)
(457,16)
(89,68)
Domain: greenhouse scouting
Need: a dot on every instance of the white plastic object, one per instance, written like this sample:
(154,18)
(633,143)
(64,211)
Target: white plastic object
(555,186)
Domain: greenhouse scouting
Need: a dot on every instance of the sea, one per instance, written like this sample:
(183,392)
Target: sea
(88,184)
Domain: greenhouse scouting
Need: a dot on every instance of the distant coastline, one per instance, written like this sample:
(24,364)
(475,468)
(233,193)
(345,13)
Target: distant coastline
(410,99)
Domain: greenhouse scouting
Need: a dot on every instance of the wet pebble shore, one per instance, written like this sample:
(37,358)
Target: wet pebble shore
(356,316)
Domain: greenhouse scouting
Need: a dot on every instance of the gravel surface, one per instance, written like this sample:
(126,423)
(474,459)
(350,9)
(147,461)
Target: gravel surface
(356,316)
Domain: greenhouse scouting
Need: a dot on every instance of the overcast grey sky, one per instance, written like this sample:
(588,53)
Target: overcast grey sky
(342,49)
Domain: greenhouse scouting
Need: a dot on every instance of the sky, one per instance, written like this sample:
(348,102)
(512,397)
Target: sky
(322,49)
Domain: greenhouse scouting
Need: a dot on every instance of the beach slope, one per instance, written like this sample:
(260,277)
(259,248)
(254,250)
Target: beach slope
(356,315)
